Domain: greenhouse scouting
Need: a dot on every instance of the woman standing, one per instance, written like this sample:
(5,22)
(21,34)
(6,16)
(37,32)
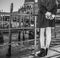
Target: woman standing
(46,16)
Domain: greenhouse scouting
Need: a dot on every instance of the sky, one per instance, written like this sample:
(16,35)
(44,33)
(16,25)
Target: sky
(5,5)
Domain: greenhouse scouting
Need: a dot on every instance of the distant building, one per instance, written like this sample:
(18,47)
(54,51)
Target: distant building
(29,8)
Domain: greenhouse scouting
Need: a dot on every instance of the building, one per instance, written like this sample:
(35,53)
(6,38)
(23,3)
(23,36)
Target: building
(29,8)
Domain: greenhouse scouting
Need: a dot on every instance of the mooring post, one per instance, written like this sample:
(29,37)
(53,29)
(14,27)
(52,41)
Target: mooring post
(10,35)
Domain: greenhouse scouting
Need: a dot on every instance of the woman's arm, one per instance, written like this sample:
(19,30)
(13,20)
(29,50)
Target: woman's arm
(42,9)
(54,9)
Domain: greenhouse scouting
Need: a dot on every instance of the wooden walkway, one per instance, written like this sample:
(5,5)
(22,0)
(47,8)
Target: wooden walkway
(53,52)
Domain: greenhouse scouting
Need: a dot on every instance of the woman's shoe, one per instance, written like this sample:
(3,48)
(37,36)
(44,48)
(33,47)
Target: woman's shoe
(42,53)
(46,51)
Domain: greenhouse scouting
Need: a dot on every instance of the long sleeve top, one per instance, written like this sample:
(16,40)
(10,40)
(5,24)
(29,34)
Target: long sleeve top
(44,6)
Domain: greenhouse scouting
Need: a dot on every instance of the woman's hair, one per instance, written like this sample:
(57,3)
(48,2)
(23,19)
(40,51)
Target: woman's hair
(58,1)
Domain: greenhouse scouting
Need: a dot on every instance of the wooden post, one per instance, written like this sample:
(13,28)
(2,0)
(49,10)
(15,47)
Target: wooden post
(19,33)
(9,49)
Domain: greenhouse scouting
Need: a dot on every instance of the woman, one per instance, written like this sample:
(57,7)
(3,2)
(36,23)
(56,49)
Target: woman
(46,14)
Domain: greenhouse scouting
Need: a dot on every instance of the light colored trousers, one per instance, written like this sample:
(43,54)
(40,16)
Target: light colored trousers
(45,37)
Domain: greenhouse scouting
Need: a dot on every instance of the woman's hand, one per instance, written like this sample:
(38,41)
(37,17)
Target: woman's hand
(48,13)
(50,16)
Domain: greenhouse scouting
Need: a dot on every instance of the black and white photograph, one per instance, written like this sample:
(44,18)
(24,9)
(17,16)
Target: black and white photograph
(29,28)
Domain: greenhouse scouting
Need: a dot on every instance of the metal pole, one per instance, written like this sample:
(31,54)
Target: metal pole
(35,36)
(35,28)
(35,1)
(9,49)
